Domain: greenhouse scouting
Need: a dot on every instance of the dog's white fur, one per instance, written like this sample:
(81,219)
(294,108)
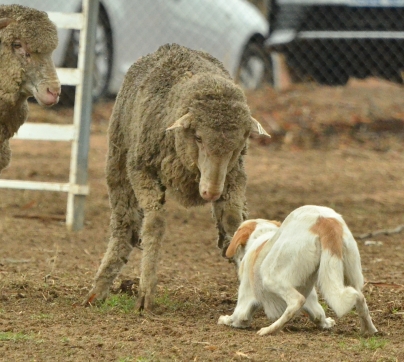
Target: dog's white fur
(278,267)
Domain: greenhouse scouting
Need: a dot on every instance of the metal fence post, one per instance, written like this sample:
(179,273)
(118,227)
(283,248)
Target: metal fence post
(82,116)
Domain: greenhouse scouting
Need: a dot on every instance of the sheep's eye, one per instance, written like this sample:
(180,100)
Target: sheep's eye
(17,45)
(198,139)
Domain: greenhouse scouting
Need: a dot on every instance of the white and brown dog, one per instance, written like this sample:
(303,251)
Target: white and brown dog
(279,264)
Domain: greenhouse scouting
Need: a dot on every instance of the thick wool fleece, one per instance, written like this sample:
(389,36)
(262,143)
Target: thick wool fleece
(159,89)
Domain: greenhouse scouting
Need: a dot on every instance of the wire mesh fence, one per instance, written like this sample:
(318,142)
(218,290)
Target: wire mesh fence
(327,42)
(331,41)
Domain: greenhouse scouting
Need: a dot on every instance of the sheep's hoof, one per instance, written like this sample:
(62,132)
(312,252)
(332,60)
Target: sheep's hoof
(144,303)
(94,298)
(90,300)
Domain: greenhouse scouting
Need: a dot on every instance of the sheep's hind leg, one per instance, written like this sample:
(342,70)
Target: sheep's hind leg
(125,225)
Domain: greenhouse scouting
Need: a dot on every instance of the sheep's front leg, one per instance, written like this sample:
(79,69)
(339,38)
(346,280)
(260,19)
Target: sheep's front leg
(152,236)
(151,197)
(230,210)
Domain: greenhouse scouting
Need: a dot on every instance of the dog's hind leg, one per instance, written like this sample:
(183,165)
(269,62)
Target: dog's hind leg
(354,278)
(367,326)
(316,312)
(293,299)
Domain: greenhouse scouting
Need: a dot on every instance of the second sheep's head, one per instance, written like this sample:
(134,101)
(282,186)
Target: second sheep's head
(27,41)
(212,140)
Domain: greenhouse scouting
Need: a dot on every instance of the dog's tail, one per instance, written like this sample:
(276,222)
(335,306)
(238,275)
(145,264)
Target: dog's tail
(331,270)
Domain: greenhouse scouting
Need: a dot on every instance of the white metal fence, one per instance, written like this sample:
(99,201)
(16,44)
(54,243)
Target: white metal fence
(79,131)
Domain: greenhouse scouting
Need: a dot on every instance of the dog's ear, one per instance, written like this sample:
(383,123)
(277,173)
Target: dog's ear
(241,237)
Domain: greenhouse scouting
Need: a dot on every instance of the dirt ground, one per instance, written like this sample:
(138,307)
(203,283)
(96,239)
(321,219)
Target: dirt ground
(339,147)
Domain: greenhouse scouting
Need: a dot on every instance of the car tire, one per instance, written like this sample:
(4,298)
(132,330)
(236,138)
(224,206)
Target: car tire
(255,67)
(103,60)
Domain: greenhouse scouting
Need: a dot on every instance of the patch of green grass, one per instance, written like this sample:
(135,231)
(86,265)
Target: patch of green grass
(342,345)
(42,316)
(121,303)
(165,300)
(65,340)
(15,337)
(372,343)
(149,358)
(325,306)
(125,359)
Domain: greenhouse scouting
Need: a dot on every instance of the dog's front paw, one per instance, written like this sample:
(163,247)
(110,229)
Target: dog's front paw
(328,323)
(225,319)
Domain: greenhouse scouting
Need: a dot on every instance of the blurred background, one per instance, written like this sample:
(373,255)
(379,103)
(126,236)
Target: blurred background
(309,67)
(322,41)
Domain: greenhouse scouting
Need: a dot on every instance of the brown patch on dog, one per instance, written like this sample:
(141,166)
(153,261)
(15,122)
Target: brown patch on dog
(275,222)
(257,252)
(240,237)
(254,260)
(331,234)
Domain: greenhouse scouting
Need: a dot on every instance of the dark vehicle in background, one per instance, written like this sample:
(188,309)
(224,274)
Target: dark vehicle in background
(331,40)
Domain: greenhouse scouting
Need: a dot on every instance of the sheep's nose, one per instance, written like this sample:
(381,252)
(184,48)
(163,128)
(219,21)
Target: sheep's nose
(209,196)
(54,92)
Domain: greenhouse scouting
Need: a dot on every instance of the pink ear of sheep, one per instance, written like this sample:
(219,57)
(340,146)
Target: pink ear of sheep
(257,128)
(181,122)
(4,22)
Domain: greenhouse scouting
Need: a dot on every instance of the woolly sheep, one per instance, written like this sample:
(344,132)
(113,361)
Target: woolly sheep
(180,125)
(27,40)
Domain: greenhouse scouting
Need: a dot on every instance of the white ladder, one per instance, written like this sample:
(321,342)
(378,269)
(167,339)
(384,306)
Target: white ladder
(77,133)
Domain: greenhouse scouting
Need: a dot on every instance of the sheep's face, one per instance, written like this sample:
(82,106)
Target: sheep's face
(39,77)
(27,40)
(217,154)
(212,151)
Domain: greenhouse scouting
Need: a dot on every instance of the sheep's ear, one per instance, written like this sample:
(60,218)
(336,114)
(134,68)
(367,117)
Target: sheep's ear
(181,122)
(257,128)
(4,22)
(240,237)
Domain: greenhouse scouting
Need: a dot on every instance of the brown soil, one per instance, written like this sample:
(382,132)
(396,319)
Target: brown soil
(340,147)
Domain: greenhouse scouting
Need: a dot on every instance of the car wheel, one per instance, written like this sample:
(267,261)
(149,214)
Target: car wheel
(102,61)
(255,67)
